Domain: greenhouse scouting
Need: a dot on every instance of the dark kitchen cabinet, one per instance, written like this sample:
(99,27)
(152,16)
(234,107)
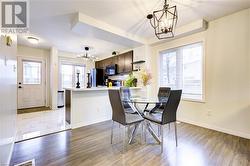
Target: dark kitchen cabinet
(128,60)
(121,63)
(124,62)
(98,64)
(108,61)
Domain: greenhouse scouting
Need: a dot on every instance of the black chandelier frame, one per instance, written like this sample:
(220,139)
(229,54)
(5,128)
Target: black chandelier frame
(155,19)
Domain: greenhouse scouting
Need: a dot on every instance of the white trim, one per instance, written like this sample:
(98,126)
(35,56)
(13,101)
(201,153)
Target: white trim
(216,128)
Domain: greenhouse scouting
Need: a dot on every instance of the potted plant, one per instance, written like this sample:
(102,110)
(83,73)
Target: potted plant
(131,81)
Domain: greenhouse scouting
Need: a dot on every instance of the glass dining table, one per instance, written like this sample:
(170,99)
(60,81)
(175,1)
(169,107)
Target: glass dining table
(134,101)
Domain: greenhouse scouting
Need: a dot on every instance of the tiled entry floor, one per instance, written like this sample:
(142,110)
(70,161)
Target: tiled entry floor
(30,125)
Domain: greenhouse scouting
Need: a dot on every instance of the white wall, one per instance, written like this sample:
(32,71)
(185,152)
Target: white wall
(8,99)
(227,71)
(37,53)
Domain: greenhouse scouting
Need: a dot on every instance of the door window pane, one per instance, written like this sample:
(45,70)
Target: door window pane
(31,72)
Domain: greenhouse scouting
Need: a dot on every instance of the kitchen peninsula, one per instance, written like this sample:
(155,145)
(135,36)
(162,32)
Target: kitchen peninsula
(90,105)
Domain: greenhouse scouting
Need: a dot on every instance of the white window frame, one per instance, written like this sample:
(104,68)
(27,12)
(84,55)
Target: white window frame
(203,100)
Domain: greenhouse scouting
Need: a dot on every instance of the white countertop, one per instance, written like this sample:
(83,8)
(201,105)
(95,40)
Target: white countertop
(97,89)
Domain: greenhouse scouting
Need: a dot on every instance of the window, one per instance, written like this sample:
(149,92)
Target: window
(32,72)
(69,75)
(182,68)
(79,69)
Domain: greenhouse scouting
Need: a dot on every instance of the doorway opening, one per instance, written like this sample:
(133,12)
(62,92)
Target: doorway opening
(34,116)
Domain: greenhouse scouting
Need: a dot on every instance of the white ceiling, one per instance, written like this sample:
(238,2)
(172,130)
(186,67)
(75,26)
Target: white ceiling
(51,20)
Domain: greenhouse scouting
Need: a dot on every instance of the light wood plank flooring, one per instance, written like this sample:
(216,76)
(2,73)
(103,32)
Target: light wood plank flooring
(90,145)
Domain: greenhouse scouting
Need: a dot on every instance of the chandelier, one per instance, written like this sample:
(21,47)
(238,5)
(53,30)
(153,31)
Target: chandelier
(86,55)
(164,21)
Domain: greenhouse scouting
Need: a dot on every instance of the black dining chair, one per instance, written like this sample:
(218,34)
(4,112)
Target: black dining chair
(120,116)
(162,92)
(126,94)
(168,115)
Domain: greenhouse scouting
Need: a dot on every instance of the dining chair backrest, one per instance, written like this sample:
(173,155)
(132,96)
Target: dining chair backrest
(164,92)
(118,113)
(169,112)
(125,94)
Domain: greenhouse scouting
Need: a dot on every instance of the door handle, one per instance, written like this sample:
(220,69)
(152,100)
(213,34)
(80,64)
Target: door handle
(19,87)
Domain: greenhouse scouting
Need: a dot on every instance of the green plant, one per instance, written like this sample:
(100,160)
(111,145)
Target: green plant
(131,81)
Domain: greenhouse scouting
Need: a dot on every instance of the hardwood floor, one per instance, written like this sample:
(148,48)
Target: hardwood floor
(90,145)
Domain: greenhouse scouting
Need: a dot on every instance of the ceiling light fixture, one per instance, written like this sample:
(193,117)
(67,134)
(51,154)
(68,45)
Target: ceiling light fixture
(164,21)
(33,40)
(86,55)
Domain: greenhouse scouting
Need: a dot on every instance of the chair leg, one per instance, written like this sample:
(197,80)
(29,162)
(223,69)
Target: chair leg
(169,126)
(125,139)
(142,132)
(112,132)
(162,138)
(145,131)
(175,126)
(159,130)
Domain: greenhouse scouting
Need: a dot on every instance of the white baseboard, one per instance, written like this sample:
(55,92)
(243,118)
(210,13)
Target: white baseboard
(216,128)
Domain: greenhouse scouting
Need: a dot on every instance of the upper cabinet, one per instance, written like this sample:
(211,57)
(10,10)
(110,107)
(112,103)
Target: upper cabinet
(128,60)
(124,62)
(121,63)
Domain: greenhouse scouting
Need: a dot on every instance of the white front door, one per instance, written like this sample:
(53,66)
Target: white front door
(31,83)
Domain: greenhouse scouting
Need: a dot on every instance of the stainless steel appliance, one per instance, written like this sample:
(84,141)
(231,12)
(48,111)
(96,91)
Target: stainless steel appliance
(97,77)
(111,70)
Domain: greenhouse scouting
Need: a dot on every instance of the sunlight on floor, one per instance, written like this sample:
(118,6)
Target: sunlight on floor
(30,125)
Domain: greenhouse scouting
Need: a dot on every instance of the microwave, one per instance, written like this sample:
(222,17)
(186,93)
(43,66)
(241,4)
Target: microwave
(111,70)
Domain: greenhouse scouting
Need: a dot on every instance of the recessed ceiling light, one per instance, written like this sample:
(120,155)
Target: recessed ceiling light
(33,40)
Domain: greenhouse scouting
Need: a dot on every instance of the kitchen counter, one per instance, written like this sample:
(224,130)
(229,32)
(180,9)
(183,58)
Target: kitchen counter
(86,106)
(99,89)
